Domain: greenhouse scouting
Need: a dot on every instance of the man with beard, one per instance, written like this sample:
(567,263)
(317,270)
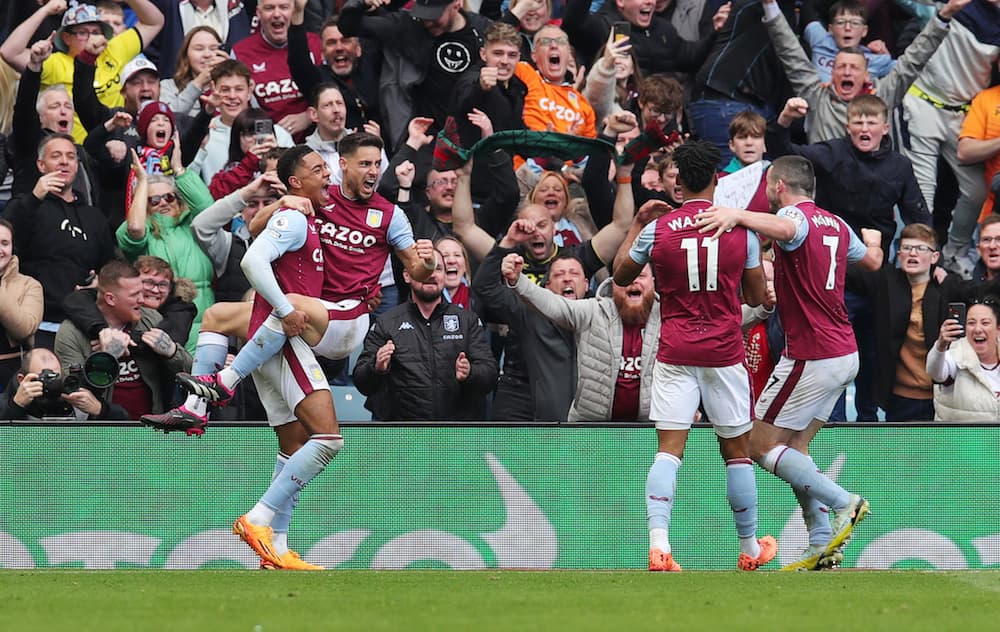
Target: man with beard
(619,327)
(700,359)
(357,229)
(354,75)
(426,360)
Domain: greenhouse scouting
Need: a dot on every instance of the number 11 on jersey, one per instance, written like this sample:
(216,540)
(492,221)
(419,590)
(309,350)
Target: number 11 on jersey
(690,244)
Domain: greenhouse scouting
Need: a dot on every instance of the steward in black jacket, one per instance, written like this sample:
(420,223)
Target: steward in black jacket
(420,383)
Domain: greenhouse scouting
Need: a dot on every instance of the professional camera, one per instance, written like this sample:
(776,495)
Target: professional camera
(98,371)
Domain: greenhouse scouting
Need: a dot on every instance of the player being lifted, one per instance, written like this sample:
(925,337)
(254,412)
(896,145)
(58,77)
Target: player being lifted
(356,227)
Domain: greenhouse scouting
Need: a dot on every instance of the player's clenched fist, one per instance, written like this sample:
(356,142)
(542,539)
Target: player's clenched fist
(425,250)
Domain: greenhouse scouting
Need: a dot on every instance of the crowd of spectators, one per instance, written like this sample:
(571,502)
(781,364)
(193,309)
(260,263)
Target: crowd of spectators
(140,137)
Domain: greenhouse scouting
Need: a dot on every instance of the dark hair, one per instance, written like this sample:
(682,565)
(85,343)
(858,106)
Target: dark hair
(697,162)
(320,89)
(563,256)
(797,174)
(991,301)
(243,124)
(290,161)
(848,7)
(349,145)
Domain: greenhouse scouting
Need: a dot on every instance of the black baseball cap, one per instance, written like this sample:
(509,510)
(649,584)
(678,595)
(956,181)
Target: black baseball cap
(429,9)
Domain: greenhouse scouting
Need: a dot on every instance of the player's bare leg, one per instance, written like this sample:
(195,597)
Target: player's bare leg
(219,322)
(308,320)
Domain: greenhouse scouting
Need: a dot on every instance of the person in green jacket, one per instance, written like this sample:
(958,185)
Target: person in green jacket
(159,224)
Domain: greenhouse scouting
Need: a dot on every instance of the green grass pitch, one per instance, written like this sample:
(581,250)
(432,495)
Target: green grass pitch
(255,601)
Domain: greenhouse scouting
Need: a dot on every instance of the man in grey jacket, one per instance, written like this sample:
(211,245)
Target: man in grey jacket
(828,101)
(617,333)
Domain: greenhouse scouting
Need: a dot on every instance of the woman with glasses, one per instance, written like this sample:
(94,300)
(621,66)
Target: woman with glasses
(965,365)
(159,223)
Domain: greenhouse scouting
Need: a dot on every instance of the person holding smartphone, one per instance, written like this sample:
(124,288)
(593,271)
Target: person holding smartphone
(966,368)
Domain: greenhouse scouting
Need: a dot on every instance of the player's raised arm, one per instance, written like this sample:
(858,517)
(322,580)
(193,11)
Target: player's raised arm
(872,260)
(419,259)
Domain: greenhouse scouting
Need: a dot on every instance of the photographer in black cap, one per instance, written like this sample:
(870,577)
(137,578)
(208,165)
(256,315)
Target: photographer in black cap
(37,391)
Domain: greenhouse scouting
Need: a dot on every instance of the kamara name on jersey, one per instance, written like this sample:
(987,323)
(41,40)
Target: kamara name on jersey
(824,220)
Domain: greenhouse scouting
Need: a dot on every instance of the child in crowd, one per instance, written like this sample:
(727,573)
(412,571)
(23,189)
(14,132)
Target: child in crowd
(848,26)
